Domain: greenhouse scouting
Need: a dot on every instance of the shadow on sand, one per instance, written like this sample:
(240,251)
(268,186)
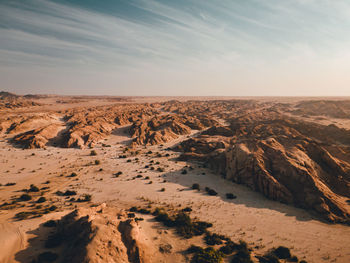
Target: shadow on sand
(245,196)
(36,246)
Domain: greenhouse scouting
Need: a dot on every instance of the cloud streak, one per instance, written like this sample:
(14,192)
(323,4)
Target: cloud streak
(222,37)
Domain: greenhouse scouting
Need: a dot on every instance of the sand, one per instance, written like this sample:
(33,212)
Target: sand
(252,217)
(261,222)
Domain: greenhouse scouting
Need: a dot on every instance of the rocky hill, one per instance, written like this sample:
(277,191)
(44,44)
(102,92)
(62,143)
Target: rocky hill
(258,144)
(295,162)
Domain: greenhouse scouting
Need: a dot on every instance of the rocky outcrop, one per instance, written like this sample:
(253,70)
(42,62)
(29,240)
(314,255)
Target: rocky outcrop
(334,109)
(209,150)
(84,133)
(291,161)
(88,126)
(20,124)
(37,138)
(219,130)
(292,175)
(158,130)
(166,127)
(11,101)
(100,234)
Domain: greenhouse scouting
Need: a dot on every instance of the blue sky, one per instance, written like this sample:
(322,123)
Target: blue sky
(192,47)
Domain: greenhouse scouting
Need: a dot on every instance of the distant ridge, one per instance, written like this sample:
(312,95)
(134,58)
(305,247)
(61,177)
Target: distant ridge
(8,95)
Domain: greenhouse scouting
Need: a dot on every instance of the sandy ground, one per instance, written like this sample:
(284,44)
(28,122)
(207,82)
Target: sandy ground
(251,217)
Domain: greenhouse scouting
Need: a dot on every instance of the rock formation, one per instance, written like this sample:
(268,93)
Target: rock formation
(291,161)
(99,234)
(158,130)
(37,138)
(334,109)
(11,101)
(254,143)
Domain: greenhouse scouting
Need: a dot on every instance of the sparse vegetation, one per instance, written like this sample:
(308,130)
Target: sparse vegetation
(97,162)
(165,248)
(133,209)
(213,239)
(210,191)
(230,196)
(33,188)
(144,211)
(118,174)
(25,197)
(73,174)
(207,255)
(66,193)
(131,215)
(93,153)
(85,198)
(25,215)
(187,209)
(196,187)
(183,223)
(229,247)
(41,199)
(52,208)
(193,249)
(278,253)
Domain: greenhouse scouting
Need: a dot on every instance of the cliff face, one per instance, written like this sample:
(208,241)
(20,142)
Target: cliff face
(158,130)
(306,176)
(294,162)
(77,128)
(37,138)
(88,126)
(164,128)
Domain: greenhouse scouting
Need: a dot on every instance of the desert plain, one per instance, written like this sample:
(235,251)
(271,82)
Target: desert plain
(174,179)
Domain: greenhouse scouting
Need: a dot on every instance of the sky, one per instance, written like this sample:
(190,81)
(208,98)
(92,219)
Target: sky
(175,48)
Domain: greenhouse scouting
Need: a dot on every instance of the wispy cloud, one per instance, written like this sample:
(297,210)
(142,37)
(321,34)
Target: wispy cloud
(198,36)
